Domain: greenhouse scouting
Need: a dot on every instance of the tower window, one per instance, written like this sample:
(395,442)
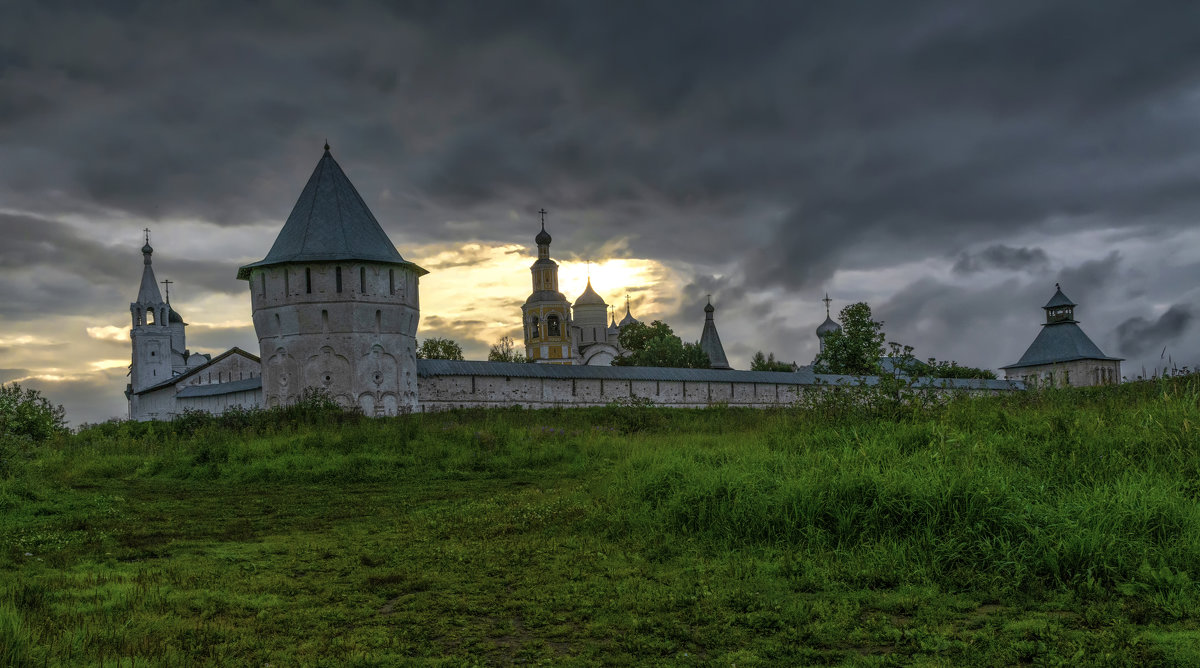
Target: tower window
(391,281)
(325,320)
(552,326)
(362,280)
(337,277)
(378,321)
(535,329)
(286,288)
(308,280)
(263,284)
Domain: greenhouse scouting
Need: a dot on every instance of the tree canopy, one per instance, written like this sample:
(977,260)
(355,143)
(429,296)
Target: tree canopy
(505,350)
(761,362)
(657,345)
(857,349)
(25,413)
(437,348)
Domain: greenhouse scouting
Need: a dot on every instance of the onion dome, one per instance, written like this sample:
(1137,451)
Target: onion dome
(830,325)
(543,237)
(589,296)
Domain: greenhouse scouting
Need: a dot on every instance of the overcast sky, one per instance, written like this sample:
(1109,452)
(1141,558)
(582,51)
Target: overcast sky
(945,161)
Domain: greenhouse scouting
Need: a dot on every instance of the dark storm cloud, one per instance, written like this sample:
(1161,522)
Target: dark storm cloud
(1137,336)
(839,135)
(1000,256)
(47,268)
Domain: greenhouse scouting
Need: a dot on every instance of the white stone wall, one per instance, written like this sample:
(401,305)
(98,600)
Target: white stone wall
(1077,373)
(218,404)
(447,392)
(358,344)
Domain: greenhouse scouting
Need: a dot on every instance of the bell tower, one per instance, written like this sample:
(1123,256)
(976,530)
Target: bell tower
(150,331)
(547,313)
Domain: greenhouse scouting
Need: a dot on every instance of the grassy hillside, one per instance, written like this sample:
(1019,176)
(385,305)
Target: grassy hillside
(1051,527)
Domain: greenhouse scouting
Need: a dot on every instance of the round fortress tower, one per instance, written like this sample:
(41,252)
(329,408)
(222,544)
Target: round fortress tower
(335,306)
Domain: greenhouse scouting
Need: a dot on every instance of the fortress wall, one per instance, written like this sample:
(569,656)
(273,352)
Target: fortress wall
(437,393)
(450,391)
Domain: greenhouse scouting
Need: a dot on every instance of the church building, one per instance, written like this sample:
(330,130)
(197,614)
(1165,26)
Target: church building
(165,378)
(557,332)
(1061,354)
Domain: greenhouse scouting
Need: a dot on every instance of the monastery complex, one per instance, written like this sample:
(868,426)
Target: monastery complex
(336,308)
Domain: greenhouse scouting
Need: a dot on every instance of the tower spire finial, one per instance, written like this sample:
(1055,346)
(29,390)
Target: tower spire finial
(326,144)
(167,284)
(147,231)
(543,213)
(826,300)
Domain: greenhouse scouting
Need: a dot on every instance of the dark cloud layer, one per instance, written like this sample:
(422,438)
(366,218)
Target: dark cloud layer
(999,256)
(769,144)
(1139,335)
(833,130)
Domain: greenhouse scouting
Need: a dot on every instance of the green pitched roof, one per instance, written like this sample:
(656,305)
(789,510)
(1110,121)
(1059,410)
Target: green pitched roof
(1059,299)
(330,223)
(1060,342)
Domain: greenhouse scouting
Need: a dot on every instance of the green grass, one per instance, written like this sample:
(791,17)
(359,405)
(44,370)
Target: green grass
(1055,527)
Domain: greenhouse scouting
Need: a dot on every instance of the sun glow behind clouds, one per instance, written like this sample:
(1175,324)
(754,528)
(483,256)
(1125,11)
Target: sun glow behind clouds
(109,333)
(473,293)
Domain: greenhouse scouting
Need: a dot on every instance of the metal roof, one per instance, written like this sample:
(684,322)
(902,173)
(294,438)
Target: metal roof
(426,368)
(330,223)
(148,289)
(828,326)
(214,389)
(197,369)
(1060,342)
(947,383)
(1059,299)
(589,296)
(710,341)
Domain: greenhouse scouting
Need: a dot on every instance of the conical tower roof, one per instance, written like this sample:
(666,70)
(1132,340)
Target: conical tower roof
(148,291)
(330,223)
(710,341)
(1059,299)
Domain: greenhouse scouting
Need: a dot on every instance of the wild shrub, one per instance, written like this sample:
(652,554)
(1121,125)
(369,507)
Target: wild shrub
(26,413)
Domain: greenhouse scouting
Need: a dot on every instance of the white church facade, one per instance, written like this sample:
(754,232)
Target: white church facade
(336,308)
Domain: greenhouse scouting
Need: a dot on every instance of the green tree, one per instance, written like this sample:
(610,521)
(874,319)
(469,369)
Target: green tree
(438,348)
(762,362)
(505,350)
(657,345)
(25,413)
(903,362)
(856,349)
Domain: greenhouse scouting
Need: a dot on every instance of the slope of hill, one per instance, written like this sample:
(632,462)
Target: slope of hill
(1054,526)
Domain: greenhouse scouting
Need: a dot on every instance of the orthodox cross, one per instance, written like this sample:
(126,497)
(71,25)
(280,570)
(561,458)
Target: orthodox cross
(147,231)
(543,213)
(710,298)
(167,284)
(826,300)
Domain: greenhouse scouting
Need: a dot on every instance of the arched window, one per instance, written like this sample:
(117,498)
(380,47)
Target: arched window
(552,326)
(535,329)
(151,316)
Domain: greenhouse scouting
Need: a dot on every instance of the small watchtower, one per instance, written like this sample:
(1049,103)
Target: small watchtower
(1062,355)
